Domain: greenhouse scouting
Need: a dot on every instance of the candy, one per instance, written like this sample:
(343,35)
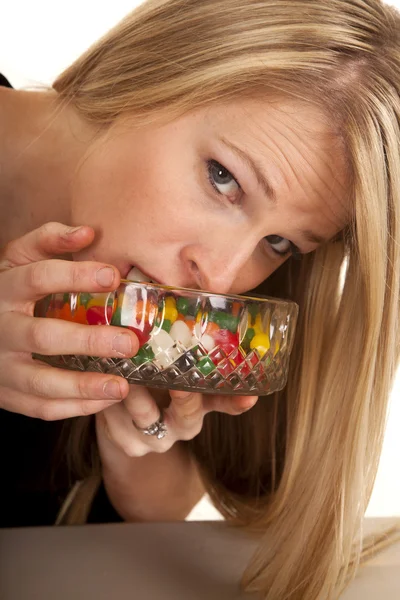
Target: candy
(161,341)
(180,332)
(170,311)
(98,315)
(144,354)
(182,305)
(261,343)
(205,365)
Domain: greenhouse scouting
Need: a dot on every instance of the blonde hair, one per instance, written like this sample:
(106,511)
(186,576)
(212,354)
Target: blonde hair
(300,466)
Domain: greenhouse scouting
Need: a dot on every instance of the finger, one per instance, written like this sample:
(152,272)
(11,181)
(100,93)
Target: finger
(49,410)
(23,333)
(186,413)
(141,406)
(34,281)
(121,432)
(48,240)
(37,379)
(229,404)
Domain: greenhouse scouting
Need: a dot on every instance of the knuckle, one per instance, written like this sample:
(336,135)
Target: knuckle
(87,408)
(93,341)
(83,388)
(49,229)
(46,412)
(38,336)
(37,385)
(132,449)
(37,274)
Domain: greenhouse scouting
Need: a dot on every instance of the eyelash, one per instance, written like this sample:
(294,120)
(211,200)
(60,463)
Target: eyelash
(294,250)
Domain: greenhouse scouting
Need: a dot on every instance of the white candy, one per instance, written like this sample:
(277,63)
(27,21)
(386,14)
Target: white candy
(205,340)
(208,342)
(136,275)
(161,341)
(180,332)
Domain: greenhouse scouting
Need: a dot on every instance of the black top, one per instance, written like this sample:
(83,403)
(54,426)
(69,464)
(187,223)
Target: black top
(28,495)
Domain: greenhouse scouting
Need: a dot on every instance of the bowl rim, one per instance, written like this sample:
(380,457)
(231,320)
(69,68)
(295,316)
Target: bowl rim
(205,293)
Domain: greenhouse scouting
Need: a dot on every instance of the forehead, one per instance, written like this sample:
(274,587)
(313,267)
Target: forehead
(298,149)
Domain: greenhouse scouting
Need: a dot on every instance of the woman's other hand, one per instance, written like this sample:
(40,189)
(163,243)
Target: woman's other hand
(29,272)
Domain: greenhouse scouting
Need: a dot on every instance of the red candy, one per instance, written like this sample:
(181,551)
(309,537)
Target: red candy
(97,315)
(226,340)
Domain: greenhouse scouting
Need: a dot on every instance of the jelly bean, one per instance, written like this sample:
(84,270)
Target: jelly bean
(250,333)
(79,315)
(258,328)
(253,309)
(205,365)
(225,320)
(99,315)
(236,306)
(85,298)
(144,354)
(212,328)
(170,312)
(166,325)
(261,343)
(161,341)
(182,305)
(207,342)
(64,313)
(180,332)
(143,336)
(226,340)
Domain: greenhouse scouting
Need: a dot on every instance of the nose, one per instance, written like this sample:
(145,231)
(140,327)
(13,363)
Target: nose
(215,271)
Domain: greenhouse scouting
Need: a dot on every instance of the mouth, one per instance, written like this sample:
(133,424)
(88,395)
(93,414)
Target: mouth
(136,274)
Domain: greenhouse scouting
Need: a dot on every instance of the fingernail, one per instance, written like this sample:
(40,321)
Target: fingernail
(73,230)
(105,276)
(122,344)
(112,389)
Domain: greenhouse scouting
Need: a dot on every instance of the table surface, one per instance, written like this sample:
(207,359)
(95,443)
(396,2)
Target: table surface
(152,561)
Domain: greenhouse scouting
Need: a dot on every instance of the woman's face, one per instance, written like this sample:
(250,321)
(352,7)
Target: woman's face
(217,199)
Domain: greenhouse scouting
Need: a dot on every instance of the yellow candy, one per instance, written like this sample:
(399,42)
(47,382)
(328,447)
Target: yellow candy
(99,300)
(261,343)
(258,328)
(170,310)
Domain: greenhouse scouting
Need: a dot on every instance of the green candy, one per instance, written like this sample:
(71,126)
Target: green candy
(166,325)
(182,305)
(85,298)
(205,365)
(66,298)
(224,320)
(250,333)
(116,318)
(145,354)
(253,310)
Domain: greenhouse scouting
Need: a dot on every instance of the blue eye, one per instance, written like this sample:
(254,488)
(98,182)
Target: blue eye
(221,179)
(282,246)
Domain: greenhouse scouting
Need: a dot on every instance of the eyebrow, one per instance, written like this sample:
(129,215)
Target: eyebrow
(255,168)
(269,191)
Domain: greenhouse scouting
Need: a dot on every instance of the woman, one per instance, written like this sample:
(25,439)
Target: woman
(226,145)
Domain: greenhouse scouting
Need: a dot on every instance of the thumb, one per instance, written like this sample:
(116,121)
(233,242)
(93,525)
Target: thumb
(43,243)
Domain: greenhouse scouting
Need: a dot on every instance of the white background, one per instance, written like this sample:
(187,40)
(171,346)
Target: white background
(38,40)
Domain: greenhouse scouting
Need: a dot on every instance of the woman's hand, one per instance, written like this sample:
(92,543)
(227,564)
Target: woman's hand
(122,424)
(29,272)
(151,479)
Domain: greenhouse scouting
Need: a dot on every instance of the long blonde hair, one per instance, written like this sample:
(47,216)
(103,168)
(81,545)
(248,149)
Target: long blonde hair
(300,466)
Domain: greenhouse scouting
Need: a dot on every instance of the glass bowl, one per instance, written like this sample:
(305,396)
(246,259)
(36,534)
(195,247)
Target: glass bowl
(189,339)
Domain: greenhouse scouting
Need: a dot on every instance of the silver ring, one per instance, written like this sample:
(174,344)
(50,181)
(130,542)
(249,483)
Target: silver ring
(158,428)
